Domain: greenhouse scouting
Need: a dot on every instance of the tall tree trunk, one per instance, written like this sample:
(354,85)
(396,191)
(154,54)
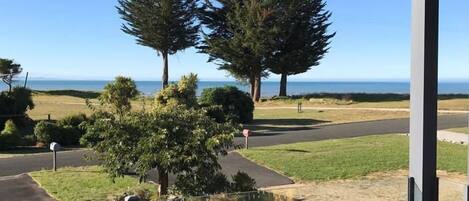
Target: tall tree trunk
(283,85)
(165,70)
(252,82)
(257,88)
(163,180)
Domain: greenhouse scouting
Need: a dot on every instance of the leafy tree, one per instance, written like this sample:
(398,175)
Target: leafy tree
(167,26)
(118,93)
(240,38)
(23,100)
(302,39)
(175,137)
(14,104)
(8,70)
(181,93)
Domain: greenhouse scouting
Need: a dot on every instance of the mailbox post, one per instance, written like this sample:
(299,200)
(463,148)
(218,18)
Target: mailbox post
(246,133)
(54,147)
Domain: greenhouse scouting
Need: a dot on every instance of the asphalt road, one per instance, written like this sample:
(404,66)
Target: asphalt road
(233,162)
(348,130)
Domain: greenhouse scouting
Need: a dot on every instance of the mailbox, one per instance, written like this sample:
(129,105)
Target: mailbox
(54,146)
(246,132)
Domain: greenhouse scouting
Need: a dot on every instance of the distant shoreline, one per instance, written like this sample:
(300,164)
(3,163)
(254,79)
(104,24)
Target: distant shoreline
(352,96)
(269,88)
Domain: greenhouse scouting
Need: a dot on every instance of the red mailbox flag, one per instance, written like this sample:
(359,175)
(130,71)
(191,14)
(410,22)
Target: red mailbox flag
(246,132)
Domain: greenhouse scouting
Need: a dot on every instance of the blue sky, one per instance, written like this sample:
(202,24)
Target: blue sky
(81,39)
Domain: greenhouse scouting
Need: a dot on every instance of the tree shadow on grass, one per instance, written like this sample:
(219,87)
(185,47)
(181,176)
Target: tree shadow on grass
(264,126)
(283,150)
(73,93)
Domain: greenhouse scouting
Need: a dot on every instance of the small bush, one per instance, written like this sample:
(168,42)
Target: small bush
(237,105)
(203,182)
(10,136)
(10,128)
(69,135)
(216,112)
(47,132)
(180,93)
(242,182)
(66,131)
(28,140)
(73,128)
(72,120)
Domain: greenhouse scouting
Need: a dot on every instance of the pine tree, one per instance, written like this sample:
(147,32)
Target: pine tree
(302,39)
(167,26)
(8,70)
(240,38)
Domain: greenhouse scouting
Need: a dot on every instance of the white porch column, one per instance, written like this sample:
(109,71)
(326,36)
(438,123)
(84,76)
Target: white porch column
(423,183)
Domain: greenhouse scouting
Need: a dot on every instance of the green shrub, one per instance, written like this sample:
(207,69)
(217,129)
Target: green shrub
(215,112)
(237,105)
(66,131)
(28,140)
(14,104)
(47,132)
(180,93)
(70,129)
(242,182)
(10,128)
(72,120)
(10,136)
(117,94)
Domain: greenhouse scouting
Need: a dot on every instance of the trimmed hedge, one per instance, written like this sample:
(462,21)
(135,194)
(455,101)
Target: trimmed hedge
(66,131)
(236,104)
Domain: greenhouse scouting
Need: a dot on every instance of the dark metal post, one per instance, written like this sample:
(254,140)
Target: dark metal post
(466,191)
(424,92)
(26,80)
(411,189)
(246,142)
(54,161)
(48,117)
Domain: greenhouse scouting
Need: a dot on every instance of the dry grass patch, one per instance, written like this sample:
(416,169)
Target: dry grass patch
(313,117)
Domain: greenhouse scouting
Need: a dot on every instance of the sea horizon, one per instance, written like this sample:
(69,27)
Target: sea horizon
(269,88)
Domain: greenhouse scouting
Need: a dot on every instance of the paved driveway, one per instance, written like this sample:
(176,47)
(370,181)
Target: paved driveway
(21,188)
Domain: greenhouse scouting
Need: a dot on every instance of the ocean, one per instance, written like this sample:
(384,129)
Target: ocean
(269,88)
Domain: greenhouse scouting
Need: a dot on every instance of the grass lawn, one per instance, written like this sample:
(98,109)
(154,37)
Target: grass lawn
(349,158)
(63,103)
(58,106)
(446,104)
(460,130)
(311,117)
(85,183)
